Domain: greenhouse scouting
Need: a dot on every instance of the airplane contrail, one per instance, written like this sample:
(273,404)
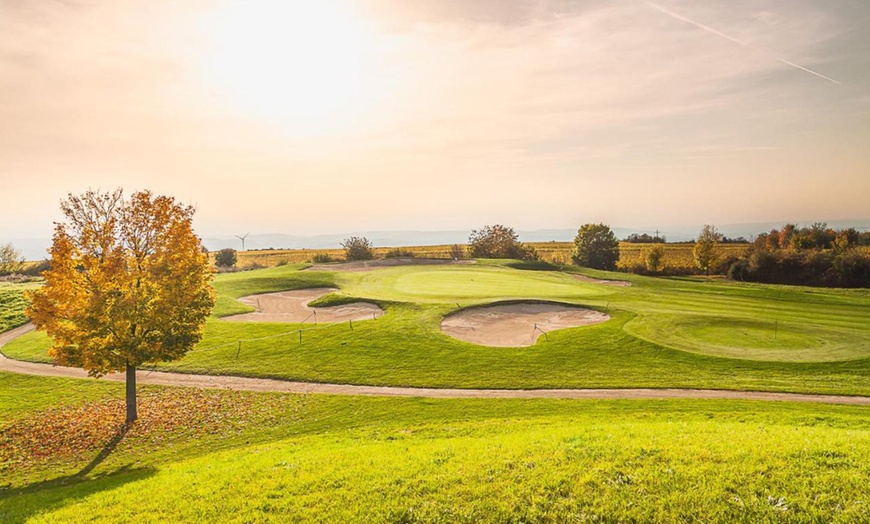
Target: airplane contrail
(709,29)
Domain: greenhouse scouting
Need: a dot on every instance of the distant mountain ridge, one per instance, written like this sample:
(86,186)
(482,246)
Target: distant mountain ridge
(36,248)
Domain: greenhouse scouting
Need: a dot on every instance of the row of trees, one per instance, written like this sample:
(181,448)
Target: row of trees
(595,246)
(815,255)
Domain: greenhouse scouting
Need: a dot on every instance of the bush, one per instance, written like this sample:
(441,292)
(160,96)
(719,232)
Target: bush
(653,258)
(398,253)
(226,258)
(738,270)
(498,241)
(457,252)
(357,248)
(596,246)
(322,258)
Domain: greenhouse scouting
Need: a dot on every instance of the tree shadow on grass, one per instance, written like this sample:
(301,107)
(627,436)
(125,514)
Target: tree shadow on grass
(18,504)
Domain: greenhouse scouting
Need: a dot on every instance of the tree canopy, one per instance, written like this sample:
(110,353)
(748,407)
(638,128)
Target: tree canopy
(498,241)
(596,246)
(129,285)
(358,248)
(706,250)
(226,257)
(10,259)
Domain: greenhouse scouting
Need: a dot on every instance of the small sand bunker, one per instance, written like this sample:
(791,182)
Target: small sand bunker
(292,306)
(512,325)
(590,280)
(368,265)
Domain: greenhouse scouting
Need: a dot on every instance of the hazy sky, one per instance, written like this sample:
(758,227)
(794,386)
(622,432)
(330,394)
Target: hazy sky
(307,117)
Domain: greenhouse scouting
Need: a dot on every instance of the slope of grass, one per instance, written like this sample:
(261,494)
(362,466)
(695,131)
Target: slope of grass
(12,305)
(353,459)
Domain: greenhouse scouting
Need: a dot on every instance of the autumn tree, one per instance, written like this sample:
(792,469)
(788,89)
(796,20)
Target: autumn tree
(596,246)
(653,258)
(706,250)
(128,286)
(498,241)
(10,260)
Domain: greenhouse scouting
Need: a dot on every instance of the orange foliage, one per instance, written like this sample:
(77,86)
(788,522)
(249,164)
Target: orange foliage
(128,284)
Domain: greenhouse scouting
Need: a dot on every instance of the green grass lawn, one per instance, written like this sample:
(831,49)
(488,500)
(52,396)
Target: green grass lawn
(352,459)
(664,333)
(12,305)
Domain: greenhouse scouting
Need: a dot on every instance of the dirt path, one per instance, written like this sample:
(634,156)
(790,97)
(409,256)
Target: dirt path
(263,384)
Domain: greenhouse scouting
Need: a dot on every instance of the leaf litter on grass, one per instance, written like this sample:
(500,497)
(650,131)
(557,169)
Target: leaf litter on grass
(69,432)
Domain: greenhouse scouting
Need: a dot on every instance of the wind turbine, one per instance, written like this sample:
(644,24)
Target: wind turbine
(242,238)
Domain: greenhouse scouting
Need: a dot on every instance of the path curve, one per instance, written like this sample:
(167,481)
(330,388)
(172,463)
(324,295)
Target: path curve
(264,384)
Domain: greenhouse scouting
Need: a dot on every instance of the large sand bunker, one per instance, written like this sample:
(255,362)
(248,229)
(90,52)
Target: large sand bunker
(517,324)
(292,306)
(367,265)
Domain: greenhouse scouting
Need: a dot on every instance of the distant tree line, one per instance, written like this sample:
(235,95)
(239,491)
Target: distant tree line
(645,238)
(815,255)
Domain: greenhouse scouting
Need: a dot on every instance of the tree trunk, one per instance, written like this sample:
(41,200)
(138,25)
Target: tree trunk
(132,412)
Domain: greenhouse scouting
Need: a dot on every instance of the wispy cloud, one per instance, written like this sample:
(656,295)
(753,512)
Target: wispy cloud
(709,29)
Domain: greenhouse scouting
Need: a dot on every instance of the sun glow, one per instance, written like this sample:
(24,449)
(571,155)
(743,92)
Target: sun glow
(303,64)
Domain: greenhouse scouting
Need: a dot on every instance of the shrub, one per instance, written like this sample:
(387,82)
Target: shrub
(226,258)
(398,253)
(457,252)
(322,258)
(498,241)
(596,246)
(738,270)
(357,248)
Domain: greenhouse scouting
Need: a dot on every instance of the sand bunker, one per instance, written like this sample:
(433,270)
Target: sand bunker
(292,306)
(512,325)
(590,280)
(367,265)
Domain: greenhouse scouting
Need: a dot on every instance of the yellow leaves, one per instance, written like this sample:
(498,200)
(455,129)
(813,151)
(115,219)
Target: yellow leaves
(74,431)
(129,283)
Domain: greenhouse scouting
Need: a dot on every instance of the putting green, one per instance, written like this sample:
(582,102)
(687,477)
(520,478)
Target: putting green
(746,338)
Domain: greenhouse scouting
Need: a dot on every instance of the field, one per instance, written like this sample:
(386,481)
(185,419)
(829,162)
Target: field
(279,458)
(12,305)
(678,257)
(201,455)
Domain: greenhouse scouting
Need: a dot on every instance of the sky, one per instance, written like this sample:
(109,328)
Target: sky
(304,117)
